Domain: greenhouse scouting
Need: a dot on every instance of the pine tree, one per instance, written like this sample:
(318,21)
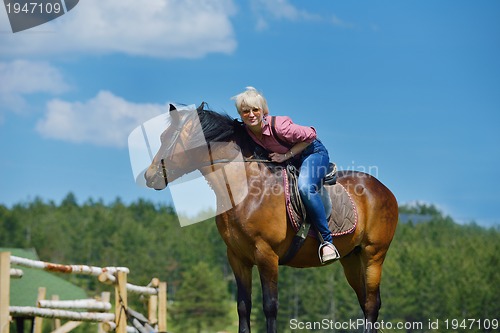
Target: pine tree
(201,301)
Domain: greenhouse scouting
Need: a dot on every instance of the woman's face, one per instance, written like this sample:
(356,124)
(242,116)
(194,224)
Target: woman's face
(251,115)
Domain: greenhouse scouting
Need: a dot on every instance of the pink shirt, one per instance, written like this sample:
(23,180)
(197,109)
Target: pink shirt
(287,132)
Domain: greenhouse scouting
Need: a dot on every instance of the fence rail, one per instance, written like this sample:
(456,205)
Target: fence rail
(115,276)
(69,269)
(87,304)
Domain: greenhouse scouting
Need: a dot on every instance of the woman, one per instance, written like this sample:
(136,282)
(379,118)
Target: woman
(288,140)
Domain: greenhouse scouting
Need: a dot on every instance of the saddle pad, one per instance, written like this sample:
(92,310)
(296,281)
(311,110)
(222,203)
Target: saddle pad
(343,218)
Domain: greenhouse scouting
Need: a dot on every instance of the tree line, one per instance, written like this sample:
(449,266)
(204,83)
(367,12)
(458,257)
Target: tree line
(435,270)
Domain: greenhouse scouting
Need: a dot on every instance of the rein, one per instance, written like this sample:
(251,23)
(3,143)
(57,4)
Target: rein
(213,162)
(245,160)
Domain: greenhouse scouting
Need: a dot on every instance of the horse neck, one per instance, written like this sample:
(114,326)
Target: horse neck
(231,176)
(221,169)
(235,179)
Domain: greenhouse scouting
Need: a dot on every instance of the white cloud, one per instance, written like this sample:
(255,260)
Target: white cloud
(20,78)
(281,9)
(336,21)
(156,28)
(266,10)
(278,9)
(105,120)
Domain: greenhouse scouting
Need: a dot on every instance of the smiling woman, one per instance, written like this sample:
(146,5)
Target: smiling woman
(288,141)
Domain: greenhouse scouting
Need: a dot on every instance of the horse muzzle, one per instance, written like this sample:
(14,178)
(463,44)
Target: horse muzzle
(155,179)
(157,184)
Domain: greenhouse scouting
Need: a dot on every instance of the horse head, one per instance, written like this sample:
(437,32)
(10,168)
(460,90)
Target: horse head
(177,153)
(192,141)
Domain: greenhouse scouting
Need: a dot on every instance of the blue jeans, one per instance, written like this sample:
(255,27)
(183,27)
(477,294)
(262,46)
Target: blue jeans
(313,168)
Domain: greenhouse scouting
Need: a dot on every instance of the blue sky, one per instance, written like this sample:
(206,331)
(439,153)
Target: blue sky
(409,91)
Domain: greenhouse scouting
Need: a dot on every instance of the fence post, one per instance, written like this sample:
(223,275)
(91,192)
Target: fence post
(105,296)
(153,309)
(57,321)
(42,291)
(121,302)
(162,307)
(153,303)
(4,292)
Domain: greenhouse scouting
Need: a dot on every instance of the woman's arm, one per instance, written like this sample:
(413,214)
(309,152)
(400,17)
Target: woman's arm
(295,150)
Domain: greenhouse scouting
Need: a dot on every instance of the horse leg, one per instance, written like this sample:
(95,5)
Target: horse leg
(364,274)
(268,271)
(243,275)
(373,274)
(353,273)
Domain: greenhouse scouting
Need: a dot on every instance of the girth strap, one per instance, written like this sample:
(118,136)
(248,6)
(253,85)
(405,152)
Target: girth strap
(297,242)
(298,206)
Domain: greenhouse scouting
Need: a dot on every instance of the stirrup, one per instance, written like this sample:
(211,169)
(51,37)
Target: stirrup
(328,258)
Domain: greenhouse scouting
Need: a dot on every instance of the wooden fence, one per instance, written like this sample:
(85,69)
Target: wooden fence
(156,293)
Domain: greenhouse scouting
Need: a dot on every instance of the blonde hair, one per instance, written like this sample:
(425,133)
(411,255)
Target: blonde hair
(252,98)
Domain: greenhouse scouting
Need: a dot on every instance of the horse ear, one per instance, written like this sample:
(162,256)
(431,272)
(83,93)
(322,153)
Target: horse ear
(174,113)
(201,107)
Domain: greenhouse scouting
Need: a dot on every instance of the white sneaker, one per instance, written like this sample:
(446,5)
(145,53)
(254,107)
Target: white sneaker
(328,258)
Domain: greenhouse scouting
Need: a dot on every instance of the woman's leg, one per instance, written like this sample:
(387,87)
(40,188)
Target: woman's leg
(313,169)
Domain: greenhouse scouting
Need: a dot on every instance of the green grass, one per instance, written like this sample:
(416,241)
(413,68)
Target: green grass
(24,291)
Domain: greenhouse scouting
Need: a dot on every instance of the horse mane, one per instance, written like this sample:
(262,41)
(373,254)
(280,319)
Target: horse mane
(218,127)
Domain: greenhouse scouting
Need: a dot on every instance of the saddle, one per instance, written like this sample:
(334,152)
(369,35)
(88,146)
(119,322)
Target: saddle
(339,208)
(297,205)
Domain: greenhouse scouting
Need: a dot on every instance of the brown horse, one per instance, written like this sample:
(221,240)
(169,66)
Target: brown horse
(256,230)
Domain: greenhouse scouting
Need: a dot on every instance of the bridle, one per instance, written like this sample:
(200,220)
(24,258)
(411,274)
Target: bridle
(173,143)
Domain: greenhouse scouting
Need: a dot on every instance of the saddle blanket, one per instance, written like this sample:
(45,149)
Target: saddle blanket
(340,208)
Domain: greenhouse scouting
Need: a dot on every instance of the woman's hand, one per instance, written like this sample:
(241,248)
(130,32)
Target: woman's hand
(294,151)
(279,158)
